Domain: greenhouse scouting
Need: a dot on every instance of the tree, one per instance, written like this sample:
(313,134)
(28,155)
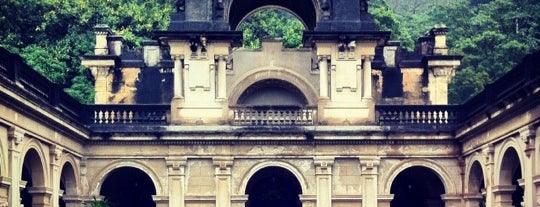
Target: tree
(272,23)
(52,34)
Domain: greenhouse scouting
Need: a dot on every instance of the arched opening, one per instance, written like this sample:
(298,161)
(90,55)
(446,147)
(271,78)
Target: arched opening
(273,186)
(476,184)
(33,174)
(271,23)
(510,174)
(272,92)
(304,10)
(417,186)
(68,183)
(128,187)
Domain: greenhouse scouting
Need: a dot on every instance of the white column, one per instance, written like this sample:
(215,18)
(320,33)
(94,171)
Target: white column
(178,87)
(222,76)
(370,172)
(323,176)
(323,74)
(176,170)
(223,181)
(16,136)
(56,154)
(367,77)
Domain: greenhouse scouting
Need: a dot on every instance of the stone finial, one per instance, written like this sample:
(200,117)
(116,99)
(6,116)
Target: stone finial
(102,31)
(439,32)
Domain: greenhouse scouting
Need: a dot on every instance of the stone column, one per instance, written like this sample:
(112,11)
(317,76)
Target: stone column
(5,183)
(223,181)
(367,77)
(370,172)
(176,174)
(41,196)
(72,200)
(527,135)
(385,200)
(161,201)
(323,177)
(16,136)
(490,165)
(451,200)
(101,76)
(323,76)
(177,71)
(473,200)
(503,195)
(222,76)
(56,154)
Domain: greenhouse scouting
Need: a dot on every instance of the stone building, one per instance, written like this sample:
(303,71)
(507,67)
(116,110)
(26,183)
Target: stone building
(191,120)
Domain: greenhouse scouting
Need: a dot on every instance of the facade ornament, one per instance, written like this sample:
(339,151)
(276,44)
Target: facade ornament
(325,8)
(56,152)
(363,6)
(16,135)
(180,6)
(218,11)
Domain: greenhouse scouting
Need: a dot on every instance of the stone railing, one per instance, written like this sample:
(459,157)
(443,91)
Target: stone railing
(116,114)
(273,115)
(417,114)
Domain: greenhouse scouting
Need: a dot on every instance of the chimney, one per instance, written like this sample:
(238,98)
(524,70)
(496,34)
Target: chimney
(439,34)
(102,31)
(115,45)
(151,52)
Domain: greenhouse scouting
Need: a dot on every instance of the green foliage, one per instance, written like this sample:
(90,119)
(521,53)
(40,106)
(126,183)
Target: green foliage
(272,23)
(96,203)
(492,37)
(387,20)
(52,34)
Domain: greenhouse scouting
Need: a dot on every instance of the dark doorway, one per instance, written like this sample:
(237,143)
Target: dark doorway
(272,92)
(273,187)
(68,183)
(418,187)
(476,183)
(32,173)
(128,187)
(511,173)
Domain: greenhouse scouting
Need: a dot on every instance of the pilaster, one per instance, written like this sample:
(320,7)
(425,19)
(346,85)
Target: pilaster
(5,184)
(55,153)
(323,176)
(384,200)
(323,76)
(452,200)
(222,174)
(528,134)
(222,76)
(366,67)
(15,136)
(473,200)
(176,179)
(370,174)
(72,200)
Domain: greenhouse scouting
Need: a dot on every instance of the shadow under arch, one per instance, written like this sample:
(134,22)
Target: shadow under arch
(70,182)
(306,10)
(293,170)
(449,185)
(103,174)
(277,73)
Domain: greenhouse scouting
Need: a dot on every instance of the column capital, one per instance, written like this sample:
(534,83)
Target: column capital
(221,57)
(322,57)
(56,152)
(369,163)
(176,164)
(223,165)
(177,57)
(323,165)
(367,57)
(16,135)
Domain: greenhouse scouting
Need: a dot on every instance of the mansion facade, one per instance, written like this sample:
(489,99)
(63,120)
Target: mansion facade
(193,120)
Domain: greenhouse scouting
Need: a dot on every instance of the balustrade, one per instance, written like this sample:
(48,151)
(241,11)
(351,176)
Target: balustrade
(267,115)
